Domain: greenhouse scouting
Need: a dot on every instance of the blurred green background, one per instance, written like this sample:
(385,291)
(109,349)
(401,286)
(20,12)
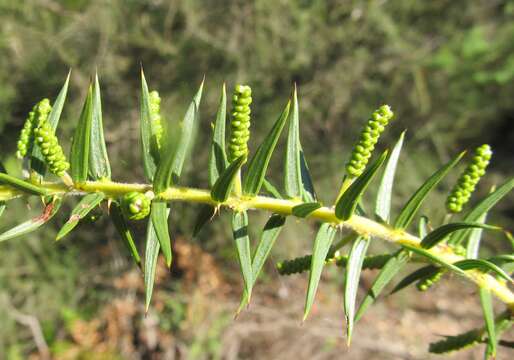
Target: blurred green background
(446,67)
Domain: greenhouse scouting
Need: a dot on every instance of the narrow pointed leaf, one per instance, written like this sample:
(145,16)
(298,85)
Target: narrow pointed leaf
(80,146)
(293,172)
(352,278)
(271,189)
(392,267)
(501,259)
(347,203)
(150,158)
(2,203)
(481,208)
(22,185)
(242,241)
(259,163)
(320,250)
(159,215)
(122,227)
(483,265)
(32,225)
(416,275)
(221,189)
(308,192)
(414,203)
(37,162)
(269,235)
(151,255)
(218,155)
(85,205)
(186,135)
(473,245)
(487,308)
(439,234)
(99,167)
(304,210)
(383,203)
(205,215)
(434,258)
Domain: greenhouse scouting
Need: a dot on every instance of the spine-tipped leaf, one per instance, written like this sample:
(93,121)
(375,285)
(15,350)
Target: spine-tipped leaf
(85,205)
(159,216)
(221,189)
(80,146)
(439,234)
(242,241)
(293,172)
(304,210)
(414,203)
(99,167)
(348,202)
(122,227)
(259,163)
(352,278)
(150,159)
(320,250)
(218,155)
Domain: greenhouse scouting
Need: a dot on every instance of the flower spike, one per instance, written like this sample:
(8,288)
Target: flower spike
(240,124)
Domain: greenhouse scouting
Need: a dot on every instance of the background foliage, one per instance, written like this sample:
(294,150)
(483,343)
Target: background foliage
(446,67)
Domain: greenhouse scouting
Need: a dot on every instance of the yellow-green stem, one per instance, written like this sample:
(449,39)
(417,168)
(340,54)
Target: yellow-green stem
(361,225)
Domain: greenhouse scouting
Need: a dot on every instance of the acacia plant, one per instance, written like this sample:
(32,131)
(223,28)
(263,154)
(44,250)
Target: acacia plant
(237,181)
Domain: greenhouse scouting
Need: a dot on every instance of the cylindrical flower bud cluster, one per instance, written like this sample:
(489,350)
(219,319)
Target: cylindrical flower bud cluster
(427,282)
(367,141)
(135,205)
(468,180)
(25,142)
(370,262)
(48,143)
(155,117)
(240,124)
(294,266)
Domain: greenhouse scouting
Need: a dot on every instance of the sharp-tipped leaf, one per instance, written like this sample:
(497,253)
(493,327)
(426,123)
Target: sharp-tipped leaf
(99,167)
(434,258)
(22,185)
(221,189)
(320,250)
(259,163)
(416,275)
(352,278)
(293,172)
(186,135)
(384,277)
(383,203)
(122,227)
(151,255)
(32,225)
(242,240)
(218,154)
(159,215)
(308,192)
(150,157)
(37,162)
(348,202)
(473,245)
(304,210)
(80,146)
(439,234)
(483,265)
(414,203)
(501,259)
(205,215)
(85,205)
(487,309)
(481,208)
(269,234)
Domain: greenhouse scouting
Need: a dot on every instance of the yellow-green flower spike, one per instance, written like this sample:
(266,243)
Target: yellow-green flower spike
(135,205)
(367,141)
(47,141)
(240,124)
(155,118)
(468,180)
(25,142)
